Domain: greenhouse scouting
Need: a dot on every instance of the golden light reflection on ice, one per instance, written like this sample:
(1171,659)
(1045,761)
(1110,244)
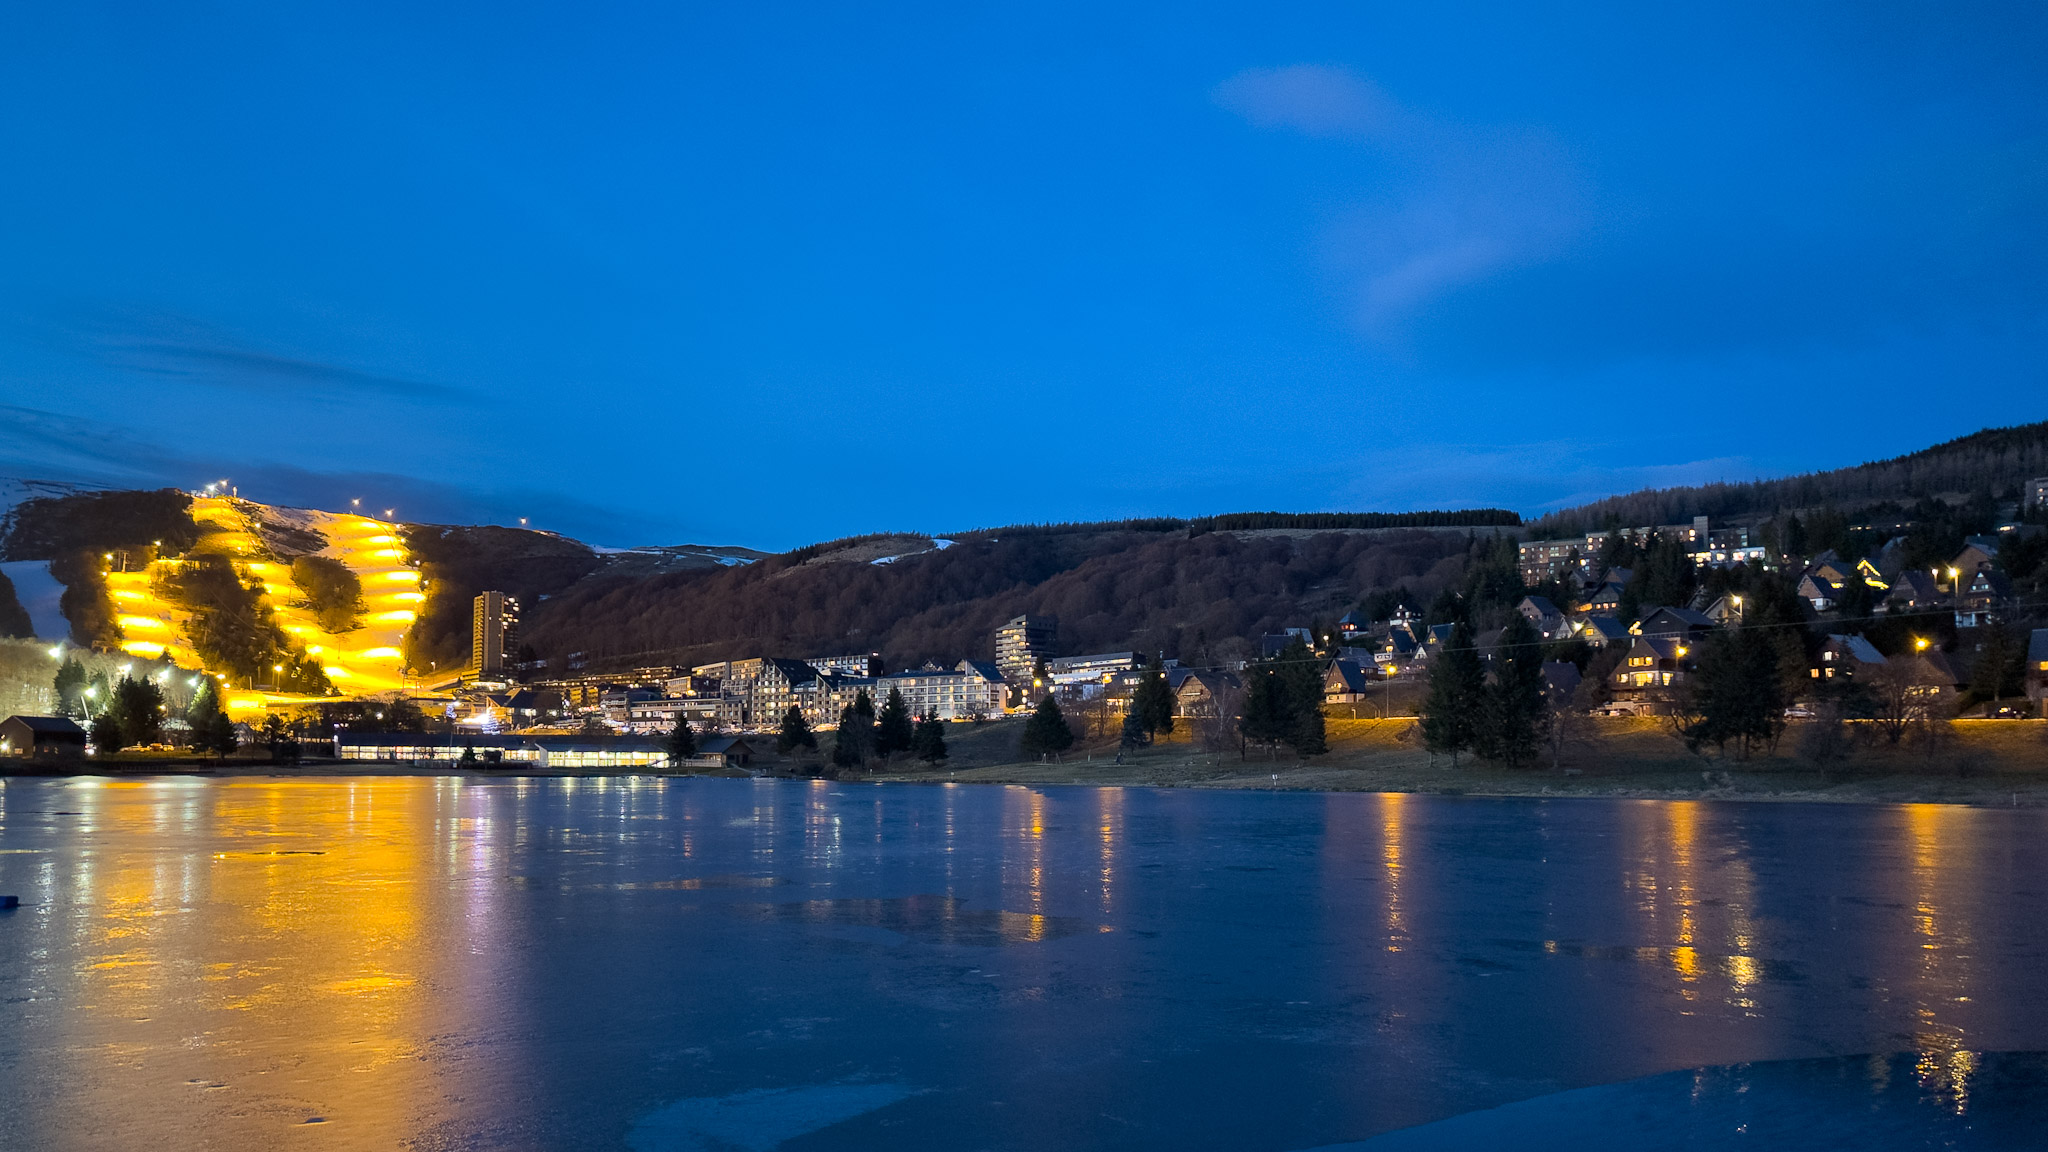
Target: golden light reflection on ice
(292,937)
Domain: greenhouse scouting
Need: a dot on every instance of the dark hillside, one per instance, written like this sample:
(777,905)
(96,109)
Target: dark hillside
(1188,595)
(457,562)
(1993,461)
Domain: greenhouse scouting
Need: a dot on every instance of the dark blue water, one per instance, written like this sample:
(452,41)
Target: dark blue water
(457,963)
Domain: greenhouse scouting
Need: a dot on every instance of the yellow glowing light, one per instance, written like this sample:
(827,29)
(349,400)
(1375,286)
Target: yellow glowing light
(407,576)
(141,622)
(336,672)
(415,597)
(312,649)
(380,540)
(380,654)
(389,554)
(401,616)
(142,648)
(127,594)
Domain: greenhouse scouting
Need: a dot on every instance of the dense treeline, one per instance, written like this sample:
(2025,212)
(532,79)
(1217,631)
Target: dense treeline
(52,526)
(1255,521)
(1326,521)
(1994,460)
(14,621)
(233,630)
(1194,598)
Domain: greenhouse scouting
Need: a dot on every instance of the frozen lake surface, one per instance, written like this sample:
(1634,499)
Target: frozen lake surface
(443,963)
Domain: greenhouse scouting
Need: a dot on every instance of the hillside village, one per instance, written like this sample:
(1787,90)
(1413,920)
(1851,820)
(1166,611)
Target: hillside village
(1900,615)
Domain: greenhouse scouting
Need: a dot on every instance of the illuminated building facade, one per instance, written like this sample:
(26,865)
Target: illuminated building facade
(494,630)
(1022,643)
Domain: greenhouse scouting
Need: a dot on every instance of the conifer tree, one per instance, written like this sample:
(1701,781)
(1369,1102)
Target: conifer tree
(855,740)
(1152,703)
(1457,689)
(138,709)
(1736,692)
(1134,734)
(796,732)
(682,741)
(1046,731)
(1302,676)
(893,728)
(1284,701)
(1511,720)
(1265,705)
(212,731)
(69,687)
(107,737)
(929,741)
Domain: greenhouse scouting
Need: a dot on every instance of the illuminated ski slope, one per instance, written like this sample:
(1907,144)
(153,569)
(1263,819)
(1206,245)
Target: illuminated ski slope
(360,662)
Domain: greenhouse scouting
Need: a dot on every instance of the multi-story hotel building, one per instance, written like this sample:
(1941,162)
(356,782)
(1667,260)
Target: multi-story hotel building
(494,631)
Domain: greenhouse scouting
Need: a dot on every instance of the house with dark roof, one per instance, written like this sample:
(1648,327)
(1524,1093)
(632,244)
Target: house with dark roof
(1601,600)
(1345,682)
(1818,590)
(1985,598)
(1681,622)
(1933,681)
(41,738)
(1845,657)
(1539,611)
(1725,611)
(1913,591)
(1353,623)
(1977,552)
(1272,644)
(1202,688)
(1651,671)
(1602,631)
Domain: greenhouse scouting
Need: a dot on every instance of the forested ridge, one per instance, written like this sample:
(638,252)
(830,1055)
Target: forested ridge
(1193,588)
(1995,460)
(1194,597)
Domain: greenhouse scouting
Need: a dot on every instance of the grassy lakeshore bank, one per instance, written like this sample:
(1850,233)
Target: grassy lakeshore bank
(1993,762)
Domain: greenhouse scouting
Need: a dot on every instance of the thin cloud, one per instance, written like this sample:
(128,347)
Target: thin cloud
(1309,98)
(47,446)
(163,344)
(1464,202)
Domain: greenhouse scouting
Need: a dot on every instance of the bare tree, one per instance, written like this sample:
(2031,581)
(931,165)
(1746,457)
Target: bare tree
(1215,720)
(1895,698)
(1567,723)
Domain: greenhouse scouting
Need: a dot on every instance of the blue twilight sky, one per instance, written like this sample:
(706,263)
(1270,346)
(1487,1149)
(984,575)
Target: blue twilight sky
(764,274)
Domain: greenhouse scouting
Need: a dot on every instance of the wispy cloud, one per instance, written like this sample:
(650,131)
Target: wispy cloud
(1463,202)
(1311,99)
(164,344)
(46,446)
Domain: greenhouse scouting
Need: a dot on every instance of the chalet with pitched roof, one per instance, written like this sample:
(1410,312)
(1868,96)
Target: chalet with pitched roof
(1913,591)
(1985,599)
(1845,657)
(1539,611)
